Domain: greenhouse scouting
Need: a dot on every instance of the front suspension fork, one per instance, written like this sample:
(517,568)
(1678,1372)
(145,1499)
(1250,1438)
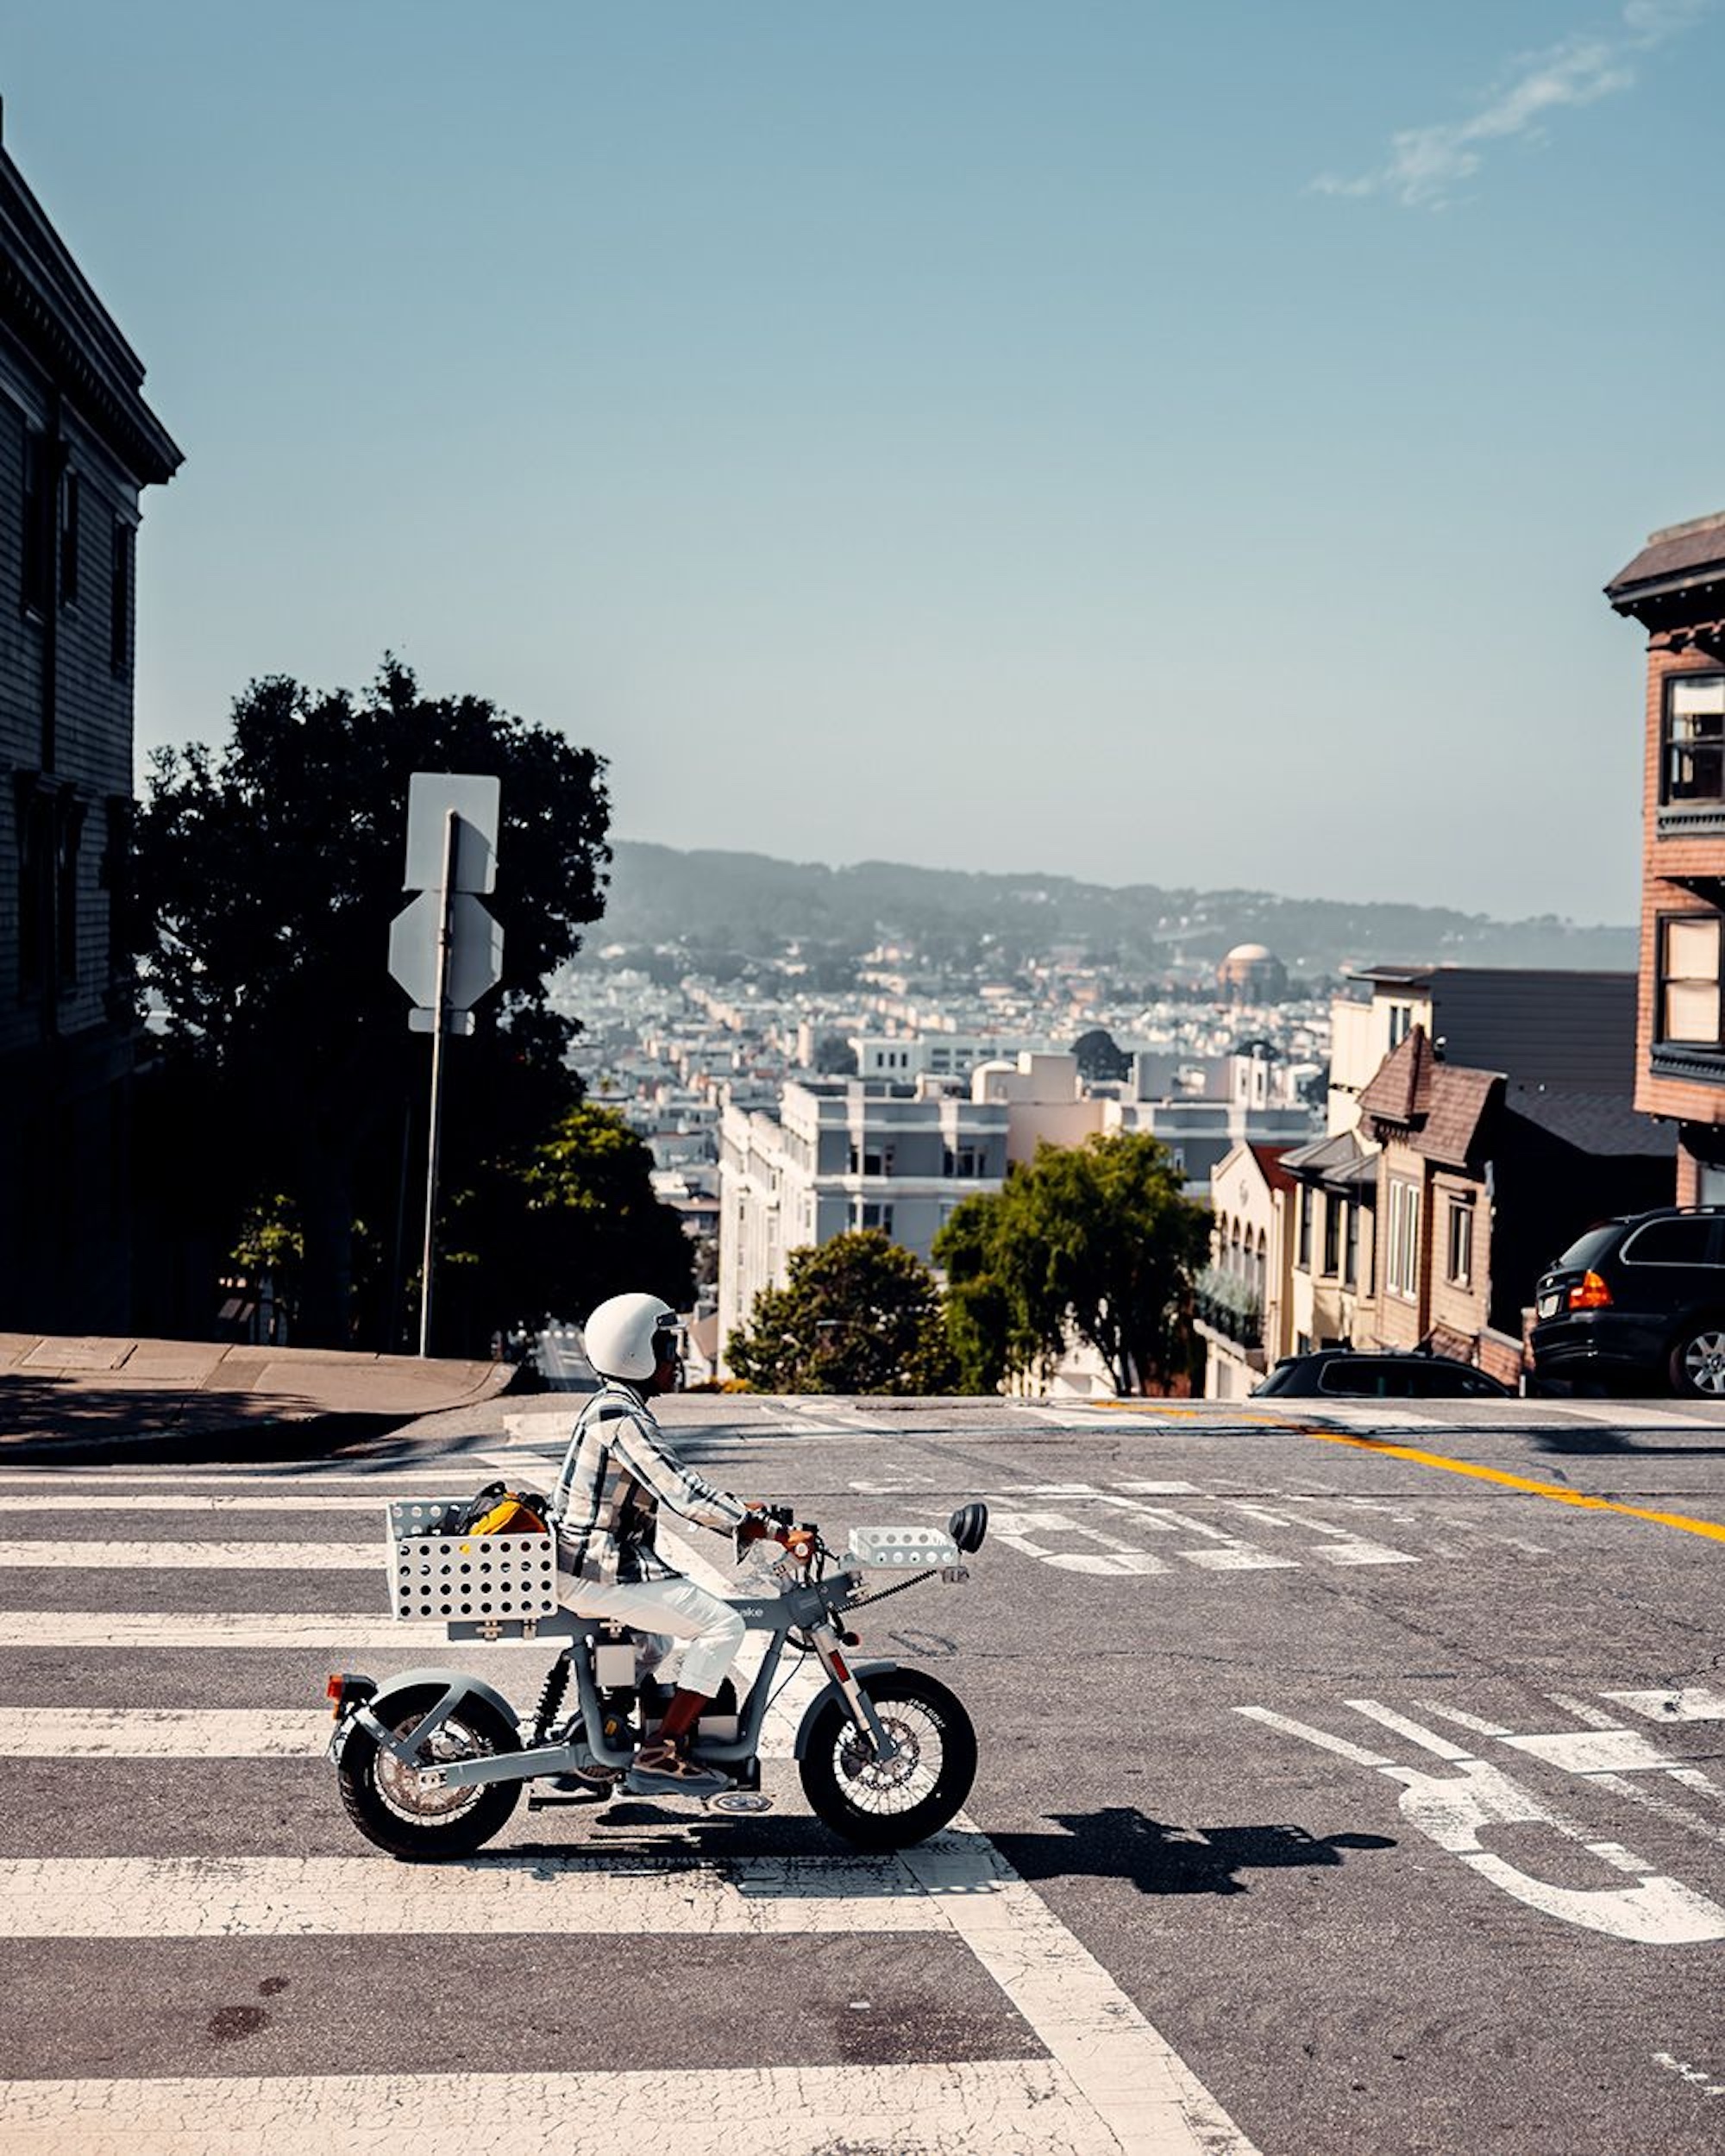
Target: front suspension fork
(826,1642)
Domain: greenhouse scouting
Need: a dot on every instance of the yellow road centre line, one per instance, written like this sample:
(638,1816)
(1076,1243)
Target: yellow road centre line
(1711,1528)
(1189,1411)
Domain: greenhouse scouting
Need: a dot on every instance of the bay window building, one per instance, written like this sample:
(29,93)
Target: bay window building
(1675,588)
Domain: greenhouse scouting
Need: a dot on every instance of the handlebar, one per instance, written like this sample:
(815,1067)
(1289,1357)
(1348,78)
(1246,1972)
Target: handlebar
(778,1523)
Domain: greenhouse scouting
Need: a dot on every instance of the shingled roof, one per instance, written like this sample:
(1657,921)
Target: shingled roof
(1399,1090)
(1438,1105)
(1604,1124)
(1460,1099)
(1681,558)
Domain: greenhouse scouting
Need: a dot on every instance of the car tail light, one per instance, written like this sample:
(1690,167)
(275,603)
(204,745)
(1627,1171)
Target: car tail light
(1589,1292)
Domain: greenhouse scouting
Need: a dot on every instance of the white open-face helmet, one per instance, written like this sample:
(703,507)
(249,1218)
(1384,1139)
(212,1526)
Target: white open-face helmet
(623,1336)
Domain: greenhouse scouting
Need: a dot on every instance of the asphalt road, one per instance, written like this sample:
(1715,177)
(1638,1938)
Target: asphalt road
(1349,1786)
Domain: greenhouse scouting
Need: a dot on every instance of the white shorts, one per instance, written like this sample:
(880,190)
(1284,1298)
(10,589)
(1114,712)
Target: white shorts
(668,1612)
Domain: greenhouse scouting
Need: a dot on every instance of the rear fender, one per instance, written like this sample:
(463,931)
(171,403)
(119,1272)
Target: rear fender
(830,1694)
(375,1718)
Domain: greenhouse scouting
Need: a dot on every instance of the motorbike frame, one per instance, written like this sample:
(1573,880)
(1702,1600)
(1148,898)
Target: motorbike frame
(812,1607)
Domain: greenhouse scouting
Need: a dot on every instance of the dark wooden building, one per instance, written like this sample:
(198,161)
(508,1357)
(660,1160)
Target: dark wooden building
(1483,1179)
(77,446)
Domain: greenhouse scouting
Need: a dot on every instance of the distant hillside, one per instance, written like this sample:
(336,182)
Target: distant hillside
(752,903)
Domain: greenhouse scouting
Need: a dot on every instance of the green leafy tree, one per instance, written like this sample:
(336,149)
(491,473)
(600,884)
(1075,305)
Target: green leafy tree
(571,1220)
(834,1057)
(857,1314)
(1099,1240)
(1100,1056)
(269,871)
(981,1311)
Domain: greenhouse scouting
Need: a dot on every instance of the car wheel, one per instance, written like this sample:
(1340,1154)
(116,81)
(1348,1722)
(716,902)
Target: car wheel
(1697,1368)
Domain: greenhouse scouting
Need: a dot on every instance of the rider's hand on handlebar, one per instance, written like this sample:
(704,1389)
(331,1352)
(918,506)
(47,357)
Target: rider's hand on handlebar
(755,1527)
(762,1525)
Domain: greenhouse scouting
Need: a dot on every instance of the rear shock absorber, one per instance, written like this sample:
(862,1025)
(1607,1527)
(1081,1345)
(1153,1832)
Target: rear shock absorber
(550,1698)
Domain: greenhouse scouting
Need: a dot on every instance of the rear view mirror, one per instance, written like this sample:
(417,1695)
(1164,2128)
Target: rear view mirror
(968,1526)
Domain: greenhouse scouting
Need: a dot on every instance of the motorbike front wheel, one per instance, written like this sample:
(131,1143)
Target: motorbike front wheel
(906,1799)
(383,1798)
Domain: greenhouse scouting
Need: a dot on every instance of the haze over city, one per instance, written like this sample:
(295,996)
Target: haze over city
(1142,443)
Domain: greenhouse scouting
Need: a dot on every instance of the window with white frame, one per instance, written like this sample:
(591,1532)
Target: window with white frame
(1459,1251)
(1689,1005)
(1401,1250)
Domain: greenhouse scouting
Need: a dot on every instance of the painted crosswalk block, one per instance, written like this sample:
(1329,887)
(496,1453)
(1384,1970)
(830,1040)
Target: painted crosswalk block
(108,1942)
(1135,1528)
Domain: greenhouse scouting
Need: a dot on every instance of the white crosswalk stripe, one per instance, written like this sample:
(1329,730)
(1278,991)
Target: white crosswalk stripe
(1101,2077)
(1112,1521)
(1007,2108)
(211,1629)
(138,1733)
(197,1556)
(169,1500)
(206,1897)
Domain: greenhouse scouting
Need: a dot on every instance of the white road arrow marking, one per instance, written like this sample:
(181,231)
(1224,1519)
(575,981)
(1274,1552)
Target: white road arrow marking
(1456,1809)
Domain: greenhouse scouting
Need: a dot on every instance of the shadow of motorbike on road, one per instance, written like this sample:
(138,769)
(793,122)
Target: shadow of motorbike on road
(1160,1857)
(1155,1856)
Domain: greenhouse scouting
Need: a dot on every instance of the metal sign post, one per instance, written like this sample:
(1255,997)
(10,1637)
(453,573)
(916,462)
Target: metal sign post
(445,948)
(440,1012)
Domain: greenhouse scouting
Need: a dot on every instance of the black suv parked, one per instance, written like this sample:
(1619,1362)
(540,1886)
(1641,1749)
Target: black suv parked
(1641,1296)
(1351,1374)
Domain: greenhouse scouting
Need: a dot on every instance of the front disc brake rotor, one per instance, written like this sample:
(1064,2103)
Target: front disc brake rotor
(860,1765)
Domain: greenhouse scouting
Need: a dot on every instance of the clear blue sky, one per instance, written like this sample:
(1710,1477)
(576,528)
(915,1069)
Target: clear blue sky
(1152,442)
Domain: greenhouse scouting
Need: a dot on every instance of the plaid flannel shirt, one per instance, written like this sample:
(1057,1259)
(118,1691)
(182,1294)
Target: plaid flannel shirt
(615,1476)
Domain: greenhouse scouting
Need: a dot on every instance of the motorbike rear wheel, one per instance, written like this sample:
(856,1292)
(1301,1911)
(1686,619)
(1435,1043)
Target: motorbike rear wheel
(909,1798)
(384,1799)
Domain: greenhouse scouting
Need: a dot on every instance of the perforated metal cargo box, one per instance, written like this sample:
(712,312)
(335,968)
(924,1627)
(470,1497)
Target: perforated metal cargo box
(903,1549)
(436,1574)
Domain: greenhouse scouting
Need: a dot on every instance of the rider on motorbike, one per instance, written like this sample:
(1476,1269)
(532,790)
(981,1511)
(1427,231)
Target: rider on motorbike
(618,1471)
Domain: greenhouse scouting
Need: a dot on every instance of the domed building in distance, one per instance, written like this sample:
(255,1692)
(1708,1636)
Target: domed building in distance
(1252,973)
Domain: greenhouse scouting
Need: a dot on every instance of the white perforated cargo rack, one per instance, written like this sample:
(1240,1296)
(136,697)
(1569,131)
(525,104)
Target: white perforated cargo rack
(479,1577)
(903,1549)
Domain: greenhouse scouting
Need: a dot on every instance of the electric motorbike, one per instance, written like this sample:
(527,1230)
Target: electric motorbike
(432,1762)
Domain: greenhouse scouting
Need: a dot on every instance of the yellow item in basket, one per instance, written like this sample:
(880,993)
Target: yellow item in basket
(510,1516)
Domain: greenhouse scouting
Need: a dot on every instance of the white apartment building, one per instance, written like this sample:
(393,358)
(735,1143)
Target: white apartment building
(1047,1102)
(1050,1103)
(904,1059)
(1202,1133)
(842,1154)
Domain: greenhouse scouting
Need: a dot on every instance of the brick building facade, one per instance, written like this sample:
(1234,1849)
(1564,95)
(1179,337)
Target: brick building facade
(1675,588)
(77,446)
